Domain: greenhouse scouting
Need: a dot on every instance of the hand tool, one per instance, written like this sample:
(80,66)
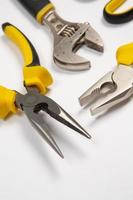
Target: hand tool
(115,87)
(68,37)
(36,81)
(120,17)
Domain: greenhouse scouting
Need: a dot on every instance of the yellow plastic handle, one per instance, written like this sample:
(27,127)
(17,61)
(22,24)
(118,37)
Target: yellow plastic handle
(124,54)
(41,13)
(28,51)
(113,5)
(37,76)
(34,74)
(7,102)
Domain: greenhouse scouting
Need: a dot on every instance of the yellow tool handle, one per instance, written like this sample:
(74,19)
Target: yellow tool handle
(125,54)
(120,17)
(27,49)
(113,5)
(37,8)
(7,102)
(34,74)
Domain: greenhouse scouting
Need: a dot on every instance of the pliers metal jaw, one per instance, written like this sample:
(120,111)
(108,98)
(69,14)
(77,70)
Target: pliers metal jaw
(113,88)
(33,103)
(36,80)
(68,37)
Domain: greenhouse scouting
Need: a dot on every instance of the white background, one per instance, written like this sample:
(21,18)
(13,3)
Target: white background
(101,169)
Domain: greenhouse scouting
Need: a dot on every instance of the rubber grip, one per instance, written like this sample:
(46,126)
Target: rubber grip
(124,54)
(37,76)
(34,74)
(28,51)
(37,8)
(117,18)
(7,102)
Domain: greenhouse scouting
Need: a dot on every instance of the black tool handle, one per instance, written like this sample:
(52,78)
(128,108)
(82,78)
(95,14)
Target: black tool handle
(37,8)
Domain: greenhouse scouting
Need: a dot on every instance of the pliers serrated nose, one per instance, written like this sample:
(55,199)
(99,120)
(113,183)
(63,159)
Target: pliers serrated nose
(68,37)
(113,88)
(36,81)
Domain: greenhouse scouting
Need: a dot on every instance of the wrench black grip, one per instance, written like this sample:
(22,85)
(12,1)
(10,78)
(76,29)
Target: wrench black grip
(37,8)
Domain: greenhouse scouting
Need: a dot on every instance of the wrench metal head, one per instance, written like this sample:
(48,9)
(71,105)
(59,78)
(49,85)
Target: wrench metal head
(64,51)
(114,88)
(68,38)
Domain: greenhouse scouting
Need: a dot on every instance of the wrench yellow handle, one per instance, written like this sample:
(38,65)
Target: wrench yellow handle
(124,54)
(34,74)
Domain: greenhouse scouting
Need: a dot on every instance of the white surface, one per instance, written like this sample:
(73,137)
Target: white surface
(101,169)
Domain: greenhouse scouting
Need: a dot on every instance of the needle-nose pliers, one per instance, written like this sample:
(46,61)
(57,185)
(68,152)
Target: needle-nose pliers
(36,81)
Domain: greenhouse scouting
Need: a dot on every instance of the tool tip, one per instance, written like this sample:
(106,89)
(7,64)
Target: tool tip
(4,25)
(58,151)
(87,135)
(61,155)
(83,132)
(101,48)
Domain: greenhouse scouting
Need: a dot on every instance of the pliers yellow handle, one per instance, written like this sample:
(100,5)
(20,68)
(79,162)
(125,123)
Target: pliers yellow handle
(117,18)
(124,54)
(33,102)
(34,74)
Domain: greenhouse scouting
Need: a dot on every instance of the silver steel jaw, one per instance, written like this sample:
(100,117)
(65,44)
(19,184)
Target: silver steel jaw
(68,38)
(33,103)
(114,88)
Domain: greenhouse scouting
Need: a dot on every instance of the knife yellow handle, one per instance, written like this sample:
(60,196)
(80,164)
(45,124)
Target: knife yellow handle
(124,54)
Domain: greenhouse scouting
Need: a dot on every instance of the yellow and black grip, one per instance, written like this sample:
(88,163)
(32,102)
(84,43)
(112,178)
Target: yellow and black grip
(37,8)
(117,18)
(34,74)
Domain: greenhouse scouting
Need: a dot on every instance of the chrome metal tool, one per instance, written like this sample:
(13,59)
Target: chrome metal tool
(68,37)
(36,81)
(113,88)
